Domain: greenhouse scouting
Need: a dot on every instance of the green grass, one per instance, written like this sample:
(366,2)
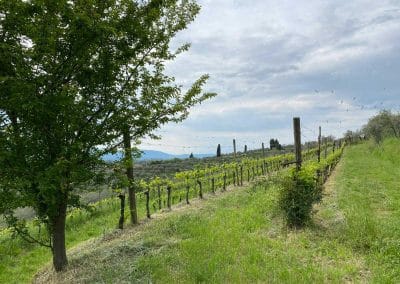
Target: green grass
(240,236)
(19,260)
(369,196)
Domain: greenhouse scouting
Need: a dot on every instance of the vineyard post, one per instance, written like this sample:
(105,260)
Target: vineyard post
(224,181)
(237,176)
(234,148)
(187,189)
(122,215)
(263,149)
(212,185)
(326,147)
(297,141)
(234,178)
(248,175)
(319,145)
(169,197)
(334,145)
(200,189)
(147,193)
(241,175)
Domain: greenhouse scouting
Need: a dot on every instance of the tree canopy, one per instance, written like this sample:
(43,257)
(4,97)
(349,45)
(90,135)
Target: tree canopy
(384,124)
(74,76)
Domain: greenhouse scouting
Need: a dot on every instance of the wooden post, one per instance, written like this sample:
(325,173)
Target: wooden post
(241,175)
(147,193)
(212,185)
(187,191)
(263,149)
(334,145)
(234,148)
(326,147)
(169,197)
(200,189)
(319,145)
(237,176)
(122,214)
(297,141)
(224,181)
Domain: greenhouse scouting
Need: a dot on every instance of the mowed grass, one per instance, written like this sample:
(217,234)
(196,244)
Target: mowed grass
(19,260)
(235,238)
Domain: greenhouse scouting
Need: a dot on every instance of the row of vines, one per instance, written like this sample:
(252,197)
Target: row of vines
(159,193)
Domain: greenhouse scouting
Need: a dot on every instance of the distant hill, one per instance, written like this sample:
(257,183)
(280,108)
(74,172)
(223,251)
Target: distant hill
(154,155)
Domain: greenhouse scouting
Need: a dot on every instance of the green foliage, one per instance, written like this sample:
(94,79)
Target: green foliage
(74,75)
(383,125)
(299,194)
(274,144)
(301,189)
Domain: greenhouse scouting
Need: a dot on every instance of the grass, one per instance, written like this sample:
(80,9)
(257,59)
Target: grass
(369,196)
(19,260)
(240,236)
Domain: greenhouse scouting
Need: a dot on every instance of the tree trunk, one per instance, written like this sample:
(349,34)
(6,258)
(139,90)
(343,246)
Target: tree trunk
(58,238)
(129,174)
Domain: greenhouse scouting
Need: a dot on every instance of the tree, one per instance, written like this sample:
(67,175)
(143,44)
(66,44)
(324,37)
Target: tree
(384,124)
(76,77)
(274,144)
(219,150)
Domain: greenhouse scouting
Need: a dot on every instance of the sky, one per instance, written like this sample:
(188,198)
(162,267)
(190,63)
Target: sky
(332,63)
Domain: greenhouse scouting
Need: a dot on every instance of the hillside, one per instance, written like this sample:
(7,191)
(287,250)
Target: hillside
(240,237)
(153,155)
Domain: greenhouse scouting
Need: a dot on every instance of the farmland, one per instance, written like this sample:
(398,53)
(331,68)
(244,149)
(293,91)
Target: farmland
(20,260)
(239,236)
(351,234)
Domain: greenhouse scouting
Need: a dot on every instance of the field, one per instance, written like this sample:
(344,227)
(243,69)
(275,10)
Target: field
(240,236)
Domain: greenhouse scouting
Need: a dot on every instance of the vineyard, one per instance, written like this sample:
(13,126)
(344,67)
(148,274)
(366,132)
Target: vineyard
(157,194)
(237,236)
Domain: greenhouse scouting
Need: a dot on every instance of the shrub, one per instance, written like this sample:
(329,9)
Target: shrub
(300,190)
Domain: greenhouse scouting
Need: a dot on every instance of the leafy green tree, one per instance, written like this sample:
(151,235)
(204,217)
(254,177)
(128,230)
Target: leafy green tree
(79,79)
(384,124)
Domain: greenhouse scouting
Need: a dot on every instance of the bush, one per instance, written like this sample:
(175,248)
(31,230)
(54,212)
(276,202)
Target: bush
(300,190)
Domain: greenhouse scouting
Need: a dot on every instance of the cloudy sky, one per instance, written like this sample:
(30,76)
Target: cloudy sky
(333,63)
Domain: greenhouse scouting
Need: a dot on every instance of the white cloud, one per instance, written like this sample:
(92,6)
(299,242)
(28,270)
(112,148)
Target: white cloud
(270,60)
